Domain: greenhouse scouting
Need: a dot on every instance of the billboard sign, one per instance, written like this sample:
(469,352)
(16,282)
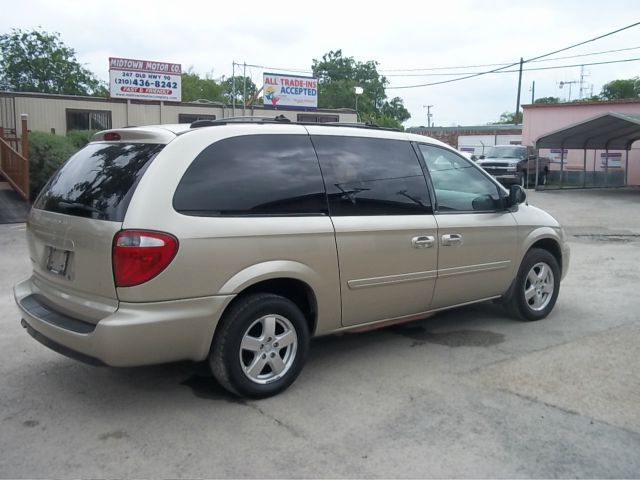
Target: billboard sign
(145,79)
(290,91)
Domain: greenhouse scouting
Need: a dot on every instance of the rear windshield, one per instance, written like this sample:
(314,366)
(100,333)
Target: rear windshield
(98,181)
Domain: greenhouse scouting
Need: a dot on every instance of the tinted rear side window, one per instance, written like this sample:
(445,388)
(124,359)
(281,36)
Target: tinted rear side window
(253,175)
(98,181)
(372,176)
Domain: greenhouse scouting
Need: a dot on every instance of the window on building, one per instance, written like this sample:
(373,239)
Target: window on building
(253,175)
(312,118)
(459,186)
(193,117)
(372,176)
(88,119)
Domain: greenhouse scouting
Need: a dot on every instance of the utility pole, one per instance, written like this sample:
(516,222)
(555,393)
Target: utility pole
(233,86)
(515,117)
(244,89)
(429,115)
(583,87)
(571,82)
(533,92)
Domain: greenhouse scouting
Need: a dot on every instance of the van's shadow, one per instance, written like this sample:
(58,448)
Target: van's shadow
(466,326)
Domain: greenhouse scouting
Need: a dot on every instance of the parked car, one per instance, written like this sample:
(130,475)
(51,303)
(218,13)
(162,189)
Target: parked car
(235,241)
(511,164)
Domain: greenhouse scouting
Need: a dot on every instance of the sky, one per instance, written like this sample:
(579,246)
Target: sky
(209,36)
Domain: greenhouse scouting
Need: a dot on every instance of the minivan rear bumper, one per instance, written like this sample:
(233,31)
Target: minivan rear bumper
(135,334)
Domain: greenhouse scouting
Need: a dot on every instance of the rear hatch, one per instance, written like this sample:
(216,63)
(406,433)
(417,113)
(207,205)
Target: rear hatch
(72,224)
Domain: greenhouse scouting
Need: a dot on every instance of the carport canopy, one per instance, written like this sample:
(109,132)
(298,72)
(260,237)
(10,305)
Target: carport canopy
(611,131)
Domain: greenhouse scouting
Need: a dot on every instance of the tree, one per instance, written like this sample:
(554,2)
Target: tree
(509,118)
(396,110)
(337,78)
(195,87)
(37,61)
(621,89)
(547,100)
(228,88)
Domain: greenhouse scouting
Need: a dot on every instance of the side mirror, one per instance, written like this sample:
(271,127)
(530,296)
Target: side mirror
(481,157)
(517,195)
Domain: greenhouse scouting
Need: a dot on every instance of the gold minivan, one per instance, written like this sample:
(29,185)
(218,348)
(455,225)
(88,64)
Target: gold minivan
(235,241)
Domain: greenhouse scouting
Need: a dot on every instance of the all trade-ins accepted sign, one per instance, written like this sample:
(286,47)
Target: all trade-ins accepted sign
(145,79)
(290,91)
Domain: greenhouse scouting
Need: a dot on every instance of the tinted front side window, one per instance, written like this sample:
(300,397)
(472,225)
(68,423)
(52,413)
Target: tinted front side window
(98,181)
(372,176)
(458,184)
(253,175)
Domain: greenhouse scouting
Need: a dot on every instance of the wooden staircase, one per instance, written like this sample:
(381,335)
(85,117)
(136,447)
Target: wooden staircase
(14,175)
(14,160)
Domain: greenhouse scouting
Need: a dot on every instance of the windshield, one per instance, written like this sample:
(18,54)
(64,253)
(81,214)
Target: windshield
(505,152)
(98,181)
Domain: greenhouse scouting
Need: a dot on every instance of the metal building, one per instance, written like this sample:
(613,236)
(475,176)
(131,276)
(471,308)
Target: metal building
(61,113)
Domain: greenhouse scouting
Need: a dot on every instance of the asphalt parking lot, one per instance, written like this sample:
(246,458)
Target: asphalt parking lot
(466,393)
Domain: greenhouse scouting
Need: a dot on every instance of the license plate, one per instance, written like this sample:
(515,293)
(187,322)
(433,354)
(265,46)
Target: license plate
(57,261)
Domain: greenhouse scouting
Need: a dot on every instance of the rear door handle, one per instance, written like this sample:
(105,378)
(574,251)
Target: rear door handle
(423,241)
(452,240)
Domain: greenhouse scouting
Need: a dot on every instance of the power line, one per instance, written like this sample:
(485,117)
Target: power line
(517,70)
(494,64)
(299,70)
(516,63)
(582,43)
(280,69)
(574,65)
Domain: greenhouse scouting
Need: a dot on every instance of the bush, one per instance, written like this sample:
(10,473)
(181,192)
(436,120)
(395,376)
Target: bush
(79,138)
(47,153)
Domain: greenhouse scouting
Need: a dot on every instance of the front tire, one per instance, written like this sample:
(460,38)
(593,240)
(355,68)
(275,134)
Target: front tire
(260,346)
(536,287)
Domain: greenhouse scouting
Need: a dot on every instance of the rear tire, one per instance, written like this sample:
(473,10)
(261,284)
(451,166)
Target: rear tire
(260,346)
(536,287)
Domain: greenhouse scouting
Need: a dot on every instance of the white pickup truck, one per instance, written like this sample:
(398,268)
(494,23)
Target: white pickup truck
(511,164)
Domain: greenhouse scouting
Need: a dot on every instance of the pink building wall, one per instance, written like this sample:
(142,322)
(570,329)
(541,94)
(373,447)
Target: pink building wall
(545,118)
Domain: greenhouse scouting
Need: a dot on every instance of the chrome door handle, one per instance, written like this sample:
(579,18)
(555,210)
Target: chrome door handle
(423,241)
(452,240)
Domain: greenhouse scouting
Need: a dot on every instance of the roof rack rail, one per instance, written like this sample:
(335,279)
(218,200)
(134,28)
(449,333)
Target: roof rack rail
(283,119)
(242,119)
(359,125)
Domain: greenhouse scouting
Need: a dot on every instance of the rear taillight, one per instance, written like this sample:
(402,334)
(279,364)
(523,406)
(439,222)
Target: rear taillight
(140,255)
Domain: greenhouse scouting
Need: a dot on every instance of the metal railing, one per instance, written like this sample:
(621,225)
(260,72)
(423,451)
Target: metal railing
(14,161)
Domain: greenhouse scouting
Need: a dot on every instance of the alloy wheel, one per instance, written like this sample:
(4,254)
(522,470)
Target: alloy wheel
(268,349)
(538,286)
